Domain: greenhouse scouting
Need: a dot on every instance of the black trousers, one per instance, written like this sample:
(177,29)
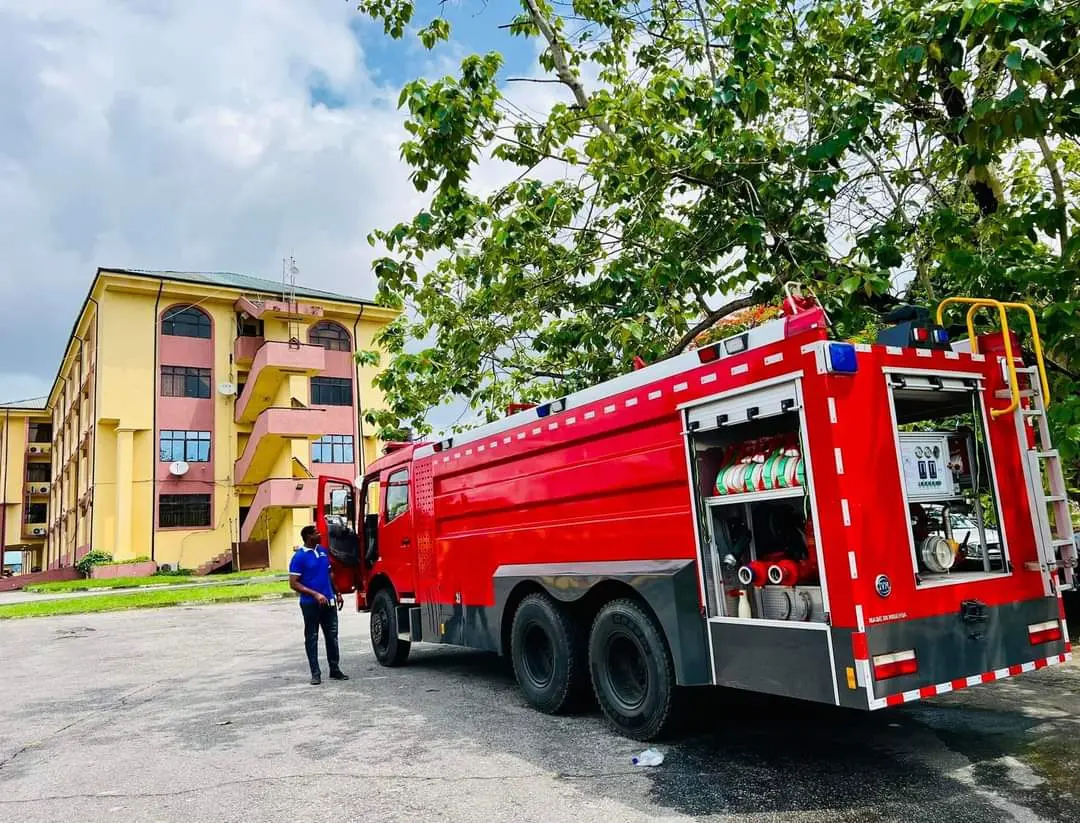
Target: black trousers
(326,617)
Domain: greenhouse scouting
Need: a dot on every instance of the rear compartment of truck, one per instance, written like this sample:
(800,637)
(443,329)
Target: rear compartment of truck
(867,532)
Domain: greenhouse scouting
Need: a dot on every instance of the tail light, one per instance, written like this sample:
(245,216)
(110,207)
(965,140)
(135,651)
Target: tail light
(709,353)
(1048,632)
(896,664)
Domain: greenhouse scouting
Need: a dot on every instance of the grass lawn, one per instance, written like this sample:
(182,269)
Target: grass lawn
(147,599)
(136,582)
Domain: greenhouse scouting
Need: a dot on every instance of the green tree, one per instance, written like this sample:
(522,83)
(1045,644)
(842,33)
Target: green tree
(703,153)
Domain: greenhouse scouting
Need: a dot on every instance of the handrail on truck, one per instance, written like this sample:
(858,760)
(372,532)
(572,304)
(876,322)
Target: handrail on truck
(976,303)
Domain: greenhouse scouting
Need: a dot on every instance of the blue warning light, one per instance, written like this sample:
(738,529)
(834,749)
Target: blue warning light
(841,358)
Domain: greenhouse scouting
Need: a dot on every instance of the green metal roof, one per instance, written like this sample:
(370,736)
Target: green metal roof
(241,282)
(32,404)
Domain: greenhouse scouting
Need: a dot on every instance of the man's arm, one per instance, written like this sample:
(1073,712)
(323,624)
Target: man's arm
(300,588)
(296,568)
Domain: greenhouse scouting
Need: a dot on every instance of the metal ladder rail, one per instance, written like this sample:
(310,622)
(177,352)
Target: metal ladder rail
(1044,464)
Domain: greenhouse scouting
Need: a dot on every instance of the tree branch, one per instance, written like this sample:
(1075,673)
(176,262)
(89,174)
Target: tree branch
(705,38)
(1059,188)
(562,65)
(709,320)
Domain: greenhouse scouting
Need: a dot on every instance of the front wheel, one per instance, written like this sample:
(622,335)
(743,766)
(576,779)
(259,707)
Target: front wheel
(632,672)
(390,650)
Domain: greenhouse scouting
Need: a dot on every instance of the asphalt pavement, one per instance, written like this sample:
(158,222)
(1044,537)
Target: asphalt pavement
(204,713)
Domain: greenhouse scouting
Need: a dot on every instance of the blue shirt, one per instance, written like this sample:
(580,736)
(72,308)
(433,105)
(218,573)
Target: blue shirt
(312,566)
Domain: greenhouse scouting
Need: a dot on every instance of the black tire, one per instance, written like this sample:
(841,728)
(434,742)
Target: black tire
(389,649)
(547,654)
(632,672)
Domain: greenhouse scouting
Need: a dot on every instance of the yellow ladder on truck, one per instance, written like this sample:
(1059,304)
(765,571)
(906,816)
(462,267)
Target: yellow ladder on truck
(1045,479)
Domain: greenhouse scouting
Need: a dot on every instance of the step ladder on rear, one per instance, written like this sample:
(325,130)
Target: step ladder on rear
(1046,485)
(1046,482)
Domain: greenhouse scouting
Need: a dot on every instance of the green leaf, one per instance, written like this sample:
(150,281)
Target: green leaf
(912,55)
(851,284)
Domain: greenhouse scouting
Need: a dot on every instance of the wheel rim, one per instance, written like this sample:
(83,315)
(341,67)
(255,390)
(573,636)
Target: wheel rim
(538,655)
(625,671)
(380,638)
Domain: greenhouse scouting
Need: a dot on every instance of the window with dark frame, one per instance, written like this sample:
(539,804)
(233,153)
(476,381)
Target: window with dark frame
(186,321)
(332,448)
(184,510)
(331,391)
(248,326)
(189,446)
(330,336)
(39,472)
(37,512)
(185,381)
(40,432)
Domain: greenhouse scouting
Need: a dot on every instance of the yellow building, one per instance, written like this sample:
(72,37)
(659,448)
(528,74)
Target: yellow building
(25,477)
(192,413)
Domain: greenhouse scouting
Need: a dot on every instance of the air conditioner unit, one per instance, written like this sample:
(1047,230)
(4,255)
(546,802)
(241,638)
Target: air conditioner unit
(39,488)
(35,450)
(38,531)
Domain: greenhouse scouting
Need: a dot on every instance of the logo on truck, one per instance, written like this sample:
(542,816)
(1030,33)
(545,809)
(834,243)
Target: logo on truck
(882,585)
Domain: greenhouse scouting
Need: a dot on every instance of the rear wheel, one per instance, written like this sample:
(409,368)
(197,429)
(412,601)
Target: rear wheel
(389,649)
(631,669)
(547,655)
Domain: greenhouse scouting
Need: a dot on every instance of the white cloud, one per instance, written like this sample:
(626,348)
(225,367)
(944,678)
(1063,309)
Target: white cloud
(178,134)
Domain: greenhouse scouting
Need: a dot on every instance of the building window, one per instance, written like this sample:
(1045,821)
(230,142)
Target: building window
(330,336)
(248,326)
(39,472)
(183,510)
(40,432)
(189,446)
(185,381)
(185,321)
(331,391)
(397,495)
(332,448)
(37,512)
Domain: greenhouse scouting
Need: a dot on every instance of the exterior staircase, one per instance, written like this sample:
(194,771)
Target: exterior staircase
(215,563)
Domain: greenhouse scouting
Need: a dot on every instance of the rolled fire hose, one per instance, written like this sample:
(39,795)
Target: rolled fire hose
(937,554)
(754,573)
(791,572)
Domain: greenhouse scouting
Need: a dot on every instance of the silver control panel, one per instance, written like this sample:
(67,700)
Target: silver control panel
(925,460)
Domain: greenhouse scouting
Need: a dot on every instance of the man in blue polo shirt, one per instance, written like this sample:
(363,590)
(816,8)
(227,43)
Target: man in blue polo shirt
(309,576)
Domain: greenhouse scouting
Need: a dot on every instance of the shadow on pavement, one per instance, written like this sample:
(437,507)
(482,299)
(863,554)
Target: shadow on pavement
(739,753)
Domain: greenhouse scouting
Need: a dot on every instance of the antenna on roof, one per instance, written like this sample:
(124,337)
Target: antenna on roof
(288,288)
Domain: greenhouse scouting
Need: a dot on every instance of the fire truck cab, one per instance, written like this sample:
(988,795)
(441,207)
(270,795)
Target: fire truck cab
(854,524)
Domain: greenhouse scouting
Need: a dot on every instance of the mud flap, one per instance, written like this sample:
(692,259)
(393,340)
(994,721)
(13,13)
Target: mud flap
(409,624)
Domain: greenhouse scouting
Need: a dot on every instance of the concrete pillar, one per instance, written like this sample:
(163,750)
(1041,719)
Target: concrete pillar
(287,537)
(125,450)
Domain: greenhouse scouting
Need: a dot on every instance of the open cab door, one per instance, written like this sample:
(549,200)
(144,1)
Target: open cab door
(335,518)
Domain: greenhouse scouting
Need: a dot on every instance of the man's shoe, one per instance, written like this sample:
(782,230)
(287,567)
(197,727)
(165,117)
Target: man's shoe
(316,680)
(338,676)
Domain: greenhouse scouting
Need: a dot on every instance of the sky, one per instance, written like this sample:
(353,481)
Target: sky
(201,135)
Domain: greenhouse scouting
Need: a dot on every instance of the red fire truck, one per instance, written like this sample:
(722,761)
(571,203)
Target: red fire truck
(855,524)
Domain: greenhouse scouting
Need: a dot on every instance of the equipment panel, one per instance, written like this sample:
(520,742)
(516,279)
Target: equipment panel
(925,458)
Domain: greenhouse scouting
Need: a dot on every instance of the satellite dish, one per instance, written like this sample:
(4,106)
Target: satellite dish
(227,389)
(178,469)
